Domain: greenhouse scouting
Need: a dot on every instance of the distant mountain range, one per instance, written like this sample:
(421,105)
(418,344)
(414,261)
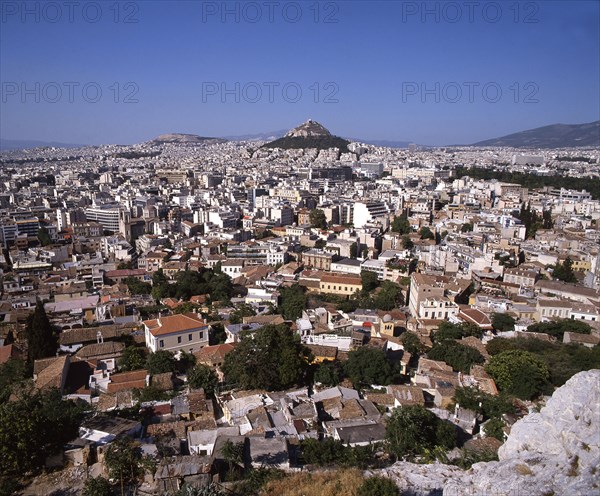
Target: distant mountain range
(270,136)
(311,134)
(553,136)
(23,144)
(185,139)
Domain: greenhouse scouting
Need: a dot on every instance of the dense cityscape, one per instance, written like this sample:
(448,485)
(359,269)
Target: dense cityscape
(226,317)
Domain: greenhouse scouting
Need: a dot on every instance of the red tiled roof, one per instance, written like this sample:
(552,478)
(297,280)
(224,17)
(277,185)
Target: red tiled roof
(173,324)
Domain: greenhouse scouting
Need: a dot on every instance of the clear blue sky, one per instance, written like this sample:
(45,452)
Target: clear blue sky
(378,57)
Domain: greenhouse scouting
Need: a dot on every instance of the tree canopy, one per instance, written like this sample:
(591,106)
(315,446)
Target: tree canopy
(564,271)
(558,328)
(12,373)
(520,373)
(412,430)
(426,233)
(137,287)
(133,358)
(328,373)
(369,280)
(202,376)
(448,331)
(271,358)
(400,224)
(367,365)
(123,459)
(189,283)
(160,362)
(503,322)
(33,427)
(562,360)
(459,356)
(317,218)
(41,339)
(292,302)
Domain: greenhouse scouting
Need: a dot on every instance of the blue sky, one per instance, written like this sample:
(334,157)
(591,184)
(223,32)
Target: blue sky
(428,72)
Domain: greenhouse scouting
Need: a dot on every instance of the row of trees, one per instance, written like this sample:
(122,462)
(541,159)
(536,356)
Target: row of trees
(187,284)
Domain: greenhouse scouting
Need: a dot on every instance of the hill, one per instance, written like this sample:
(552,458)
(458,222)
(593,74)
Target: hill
(310,134)
(6,144)
(553,136)
(185,139)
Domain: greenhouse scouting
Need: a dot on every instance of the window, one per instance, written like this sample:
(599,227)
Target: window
(201,335)
(189,337)
(161,343)
(178,339)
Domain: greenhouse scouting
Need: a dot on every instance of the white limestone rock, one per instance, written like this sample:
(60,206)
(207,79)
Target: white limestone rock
(553,452)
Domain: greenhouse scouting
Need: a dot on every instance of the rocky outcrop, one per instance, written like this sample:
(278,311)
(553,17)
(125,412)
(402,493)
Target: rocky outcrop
(553,452)
(309,129)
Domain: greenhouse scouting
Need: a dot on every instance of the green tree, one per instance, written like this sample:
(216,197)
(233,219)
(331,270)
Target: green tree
(407,243)
(133,358)
(185,362)
(202,376)
(354,250)
(98,486)
(34,426)
(564,272)
(367,365)
(547,222)
(378,486)
(160,362)
(483,403)
(41,339)
(218,334)
(519,373)
(401,225)
(459,356)
(293,302)
(412,430)
(123,459)
(233,453)
(317,218)
(328,373)
(426,233)
(503,322)
(369,281)
(12,373)
(449,331)
(322,453)
(495,428)
(466,227)
(388,297)
(243,310)
(562,360)
(557,328)
(137,287)
(44,236)
(411,343)
(272,358)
